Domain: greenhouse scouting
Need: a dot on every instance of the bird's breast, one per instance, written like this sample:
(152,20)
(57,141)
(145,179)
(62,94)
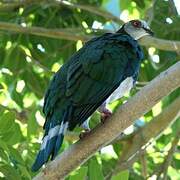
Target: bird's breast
(123,88)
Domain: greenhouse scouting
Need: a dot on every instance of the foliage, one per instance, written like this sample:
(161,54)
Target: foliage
(28,62)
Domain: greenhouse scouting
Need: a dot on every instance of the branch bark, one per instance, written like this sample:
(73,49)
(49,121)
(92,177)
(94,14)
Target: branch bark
(74,36)
(137,106)
(162,44)
(52,33)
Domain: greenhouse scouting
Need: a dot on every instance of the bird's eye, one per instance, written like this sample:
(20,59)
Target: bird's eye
(136,24)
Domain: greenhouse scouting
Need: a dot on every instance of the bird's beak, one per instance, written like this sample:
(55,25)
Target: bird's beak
(148,31)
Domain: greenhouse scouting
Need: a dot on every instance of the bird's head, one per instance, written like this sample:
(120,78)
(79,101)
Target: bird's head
(136,29)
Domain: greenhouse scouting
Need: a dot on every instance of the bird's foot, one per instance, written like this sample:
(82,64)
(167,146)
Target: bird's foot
(84,134)
(105,115)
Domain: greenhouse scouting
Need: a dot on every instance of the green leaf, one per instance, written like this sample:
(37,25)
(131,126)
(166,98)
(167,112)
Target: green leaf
(94,170)
(124,175)
(15,59)
(2,53)
(18,162)
(4,151)
(24,172)
(107,164)
(126,5)
(9,172)
(17,97)
(34,82)
(4,146)
(176,126)
(15,156)
(32,125)
(3,155)
(7,122)
(80,174)
(140,3)
(14,135)
(117,148)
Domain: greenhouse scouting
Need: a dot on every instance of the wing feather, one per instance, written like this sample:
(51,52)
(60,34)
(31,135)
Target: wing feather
(97,81)
(91,75)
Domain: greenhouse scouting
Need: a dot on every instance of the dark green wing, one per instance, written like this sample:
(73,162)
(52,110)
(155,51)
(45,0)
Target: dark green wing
(94,74)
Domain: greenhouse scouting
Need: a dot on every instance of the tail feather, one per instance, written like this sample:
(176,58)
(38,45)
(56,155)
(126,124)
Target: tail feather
(49,148)
(53,138)
(50,145)
(39,161)
(60,139)
(57,146)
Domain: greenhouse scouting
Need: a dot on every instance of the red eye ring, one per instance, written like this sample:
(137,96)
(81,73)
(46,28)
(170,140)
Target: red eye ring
(136,23)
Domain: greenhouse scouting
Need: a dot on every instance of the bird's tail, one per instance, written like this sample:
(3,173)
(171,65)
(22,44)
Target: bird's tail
(52,140)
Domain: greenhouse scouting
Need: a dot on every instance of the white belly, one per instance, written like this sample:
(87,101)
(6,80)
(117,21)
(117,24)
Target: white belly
(124,88)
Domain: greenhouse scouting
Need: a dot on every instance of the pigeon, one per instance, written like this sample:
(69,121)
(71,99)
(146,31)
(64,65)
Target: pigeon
(102,71)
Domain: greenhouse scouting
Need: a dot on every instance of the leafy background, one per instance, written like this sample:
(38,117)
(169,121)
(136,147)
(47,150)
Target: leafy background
(27,63)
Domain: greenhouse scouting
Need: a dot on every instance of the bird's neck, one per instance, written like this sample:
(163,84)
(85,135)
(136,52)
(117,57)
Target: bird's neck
(122,31)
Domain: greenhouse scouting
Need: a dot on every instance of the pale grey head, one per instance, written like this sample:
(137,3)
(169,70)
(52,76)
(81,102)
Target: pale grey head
(136,29)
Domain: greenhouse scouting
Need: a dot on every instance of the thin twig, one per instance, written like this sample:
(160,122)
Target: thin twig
(143,162)
(36,62)
(92,9)
(168,159)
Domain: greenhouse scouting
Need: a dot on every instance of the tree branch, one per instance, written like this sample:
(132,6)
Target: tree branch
(162,44)
(92,9)
(137,106)
(74,36)
(51,33)
(95,10)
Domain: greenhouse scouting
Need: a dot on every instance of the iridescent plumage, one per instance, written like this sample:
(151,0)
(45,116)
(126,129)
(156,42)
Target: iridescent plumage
(84,83)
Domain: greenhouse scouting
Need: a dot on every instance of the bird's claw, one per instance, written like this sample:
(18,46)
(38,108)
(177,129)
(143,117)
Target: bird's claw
(84,134)
(105,115)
